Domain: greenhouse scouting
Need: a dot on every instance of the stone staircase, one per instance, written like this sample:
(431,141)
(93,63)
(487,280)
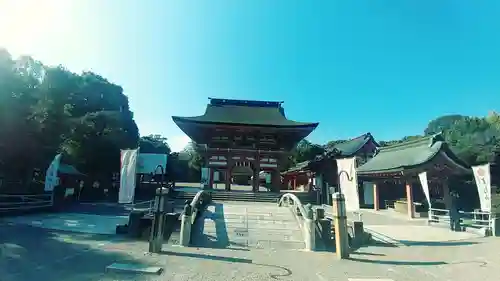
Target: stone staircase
(243,225)
(263,197)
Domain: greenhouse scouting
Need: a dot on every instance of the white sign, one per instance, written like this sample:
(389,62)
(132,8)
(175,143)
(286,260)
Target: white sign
(425,186)
(51,176)
(483,183)
(205,177)
(127,176)
(368,194)
(268,178)
(346,169)
(147,163)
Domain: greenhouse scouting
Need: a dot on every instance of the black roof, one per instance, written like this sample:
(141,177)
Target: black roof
(245,112)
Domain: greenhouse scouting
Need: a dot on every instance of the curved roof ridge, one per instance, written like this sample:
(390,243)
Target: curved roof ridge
(427,140)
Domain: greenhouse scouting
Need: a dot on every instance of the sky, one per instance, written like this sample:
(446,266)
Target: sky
(387,67)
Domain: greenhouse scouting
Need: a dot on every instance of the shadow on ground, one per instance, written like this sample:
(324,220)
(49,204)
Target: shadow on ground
(282,271)
(389,262)
(221,239)
(437,243)
(31,253)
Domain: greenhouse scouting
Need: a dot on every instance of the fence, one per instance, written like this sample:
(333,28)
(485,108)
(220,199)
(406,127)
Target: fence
(329,213)
(476,219)
(13,202)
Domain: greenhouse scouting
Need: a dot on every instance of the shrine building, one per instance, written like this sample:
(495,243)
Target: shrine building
(394,173)
(324,167)
(239,135)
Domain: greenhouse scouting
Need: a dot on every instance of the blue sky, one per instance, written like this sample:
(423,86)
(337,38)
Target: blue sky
(387,67)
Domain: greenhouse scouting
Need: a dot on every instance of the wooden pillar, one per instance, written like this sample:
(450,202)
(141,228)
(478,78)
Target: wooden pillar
(256,176)
(228,179)
(275,181)
(376,197)
(310,181)
(211,177)
(446,194)
(409,201)
(228,172)
(294,182)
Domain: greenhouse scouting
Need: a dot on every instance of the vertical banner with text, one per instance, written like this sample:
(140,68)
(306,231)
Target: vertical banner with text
(425,186)
(483,183)
(348,181)
(127,176)
(51,176)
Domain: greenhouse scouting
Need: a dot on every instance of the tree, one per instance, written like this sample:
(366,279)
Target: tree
(195,159)
(46,110)
(154,144)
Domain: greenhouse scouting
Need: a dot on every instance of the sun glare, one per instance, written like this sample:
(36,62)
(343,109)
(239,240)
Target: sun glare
(33,26)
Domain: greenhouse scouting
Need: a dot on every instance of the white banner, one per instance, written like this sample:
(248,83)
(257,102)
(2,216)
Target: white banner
(147,163)
(268,178)
(425,186)
(127,176)
(368,194)
(51,176)
(205,177)
(483,183)
(348,181)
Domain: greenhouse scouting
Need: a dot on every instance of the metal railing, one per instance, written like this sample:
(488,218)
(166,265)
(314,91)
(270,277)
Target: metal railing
(329,212)
(389,204)
(475,219)
(147,205)
(12,202)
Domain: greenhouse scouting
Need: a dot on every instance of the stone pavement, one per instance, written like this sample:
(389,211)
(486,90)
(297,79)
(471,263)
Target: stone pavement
(390,227)
(79,257)
(35,253)
(248,225)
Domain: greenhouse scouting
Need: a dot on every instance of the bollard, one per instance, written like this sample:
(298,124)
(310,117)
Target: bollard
(309,229)
(186,225)
(156,237)
(340,224)
(319,213)
(326,232)
(358,234)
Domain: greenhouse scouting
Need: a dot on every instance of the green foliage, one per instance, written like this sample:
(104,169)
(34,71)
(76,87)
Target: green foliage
(475,140)
(154,144)
(45,110)
(195,159)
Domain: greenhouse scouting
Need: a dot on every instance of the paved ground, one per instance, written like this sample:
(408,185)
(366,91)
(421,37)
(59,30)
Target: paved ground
(56,255)
(248,225)
(395,228)
(43,252)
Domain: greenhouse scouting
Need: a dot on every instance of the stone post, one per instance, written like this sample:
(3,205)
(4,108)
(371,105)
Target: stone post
(309,229)
(340,224)
(156,238)
(186,225)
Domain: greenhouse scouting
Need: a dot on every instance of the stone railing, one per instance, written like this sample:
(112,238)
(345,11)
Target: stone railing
(307,224)
(191,212)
